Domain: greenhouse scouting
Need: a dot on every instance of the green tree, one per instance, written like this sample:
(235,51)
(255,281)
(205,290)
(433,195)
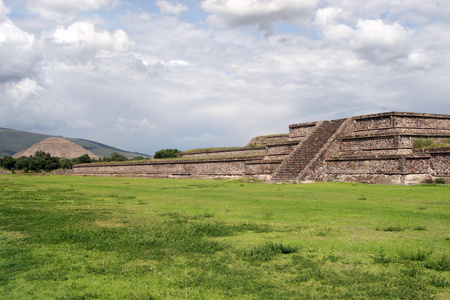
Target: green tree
(65,163)
(83,159)
(118,157)
(22,163)
(51,162)
(8,162)
(166,153)
(37,162)
(139,158)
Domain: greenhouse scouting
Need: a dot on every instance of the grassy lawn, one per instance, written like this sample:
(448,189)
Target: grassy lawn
(67,237)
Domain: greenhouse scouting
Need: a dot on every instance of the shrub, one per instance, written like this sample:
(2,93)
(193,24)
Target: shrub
(118,157)
(166,153)
(83,159)
(439,181)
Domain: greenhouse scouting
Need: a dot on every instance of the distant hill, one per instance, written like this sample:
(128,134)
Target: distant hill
(13,141)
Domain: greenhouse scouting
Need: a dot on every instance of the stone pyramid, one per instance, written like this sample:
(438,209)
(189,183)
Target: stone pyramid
(57,147)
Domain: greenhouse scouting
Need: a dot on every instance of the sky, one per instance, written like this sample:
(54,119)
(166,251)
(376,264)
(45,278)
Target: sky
(149,75)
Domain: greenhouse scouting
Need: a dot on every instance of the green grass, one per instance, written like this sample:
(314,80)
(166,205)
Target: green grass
(128,238)
(430,143)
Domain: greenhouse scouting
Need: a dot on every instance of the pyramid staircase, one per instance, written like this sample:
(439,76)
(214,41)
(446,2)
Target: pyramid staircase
(305,151)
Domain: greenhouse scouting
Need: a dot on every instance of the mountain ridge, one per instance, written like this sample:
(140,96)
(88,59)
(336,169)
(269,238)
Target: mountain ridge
(13,141)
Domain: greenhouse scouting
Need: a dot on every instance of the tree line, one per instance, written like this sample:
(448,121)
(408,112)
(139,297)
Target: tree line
(44,161)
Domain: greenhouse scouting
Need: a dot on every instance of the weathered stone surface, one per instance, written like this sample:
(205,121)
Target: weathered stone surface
(299,131)
(219,167)
(234,152)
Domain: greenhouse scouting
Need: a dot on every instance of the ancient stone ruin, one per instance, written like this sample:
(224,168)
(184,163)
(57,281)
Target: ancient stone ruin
(377,148)
(57,147)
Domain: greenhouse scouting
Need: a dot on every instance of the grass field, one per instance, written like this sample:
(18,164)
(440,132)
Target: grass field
(67,237)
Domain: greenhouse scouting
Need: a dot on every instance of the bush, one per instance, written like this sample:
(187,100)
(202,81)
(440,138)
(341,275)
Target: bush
(166,153)
(83,159)
(118,157)
(439,181)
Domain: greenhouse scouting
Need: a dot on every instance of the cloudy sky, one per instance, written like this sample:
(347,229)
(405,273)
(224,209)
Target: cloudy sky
(146,75)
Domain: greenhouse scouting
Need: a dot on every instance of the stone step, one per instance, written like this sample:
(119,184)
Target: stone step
(301,156)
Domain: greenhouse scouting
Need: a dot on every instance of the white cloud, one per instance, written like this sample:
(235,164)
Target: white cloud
(419,60)
(23,89)
(12,35)
(82,41)
(80,124)
(179,63)
(168,8)
(83,33)
(186,77)
(132,126)
(202,137)
(4,11)
(261,13)
(325,20)
(412,12)
(18,53)
(380,42)
(373,40)
(58,10)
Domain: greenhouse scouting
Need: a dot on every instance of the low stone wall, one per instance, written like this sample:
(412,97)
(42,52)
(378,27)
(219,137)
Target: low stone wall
(174,168)
(226,152)
(262,169)
(402,120)
(439,162)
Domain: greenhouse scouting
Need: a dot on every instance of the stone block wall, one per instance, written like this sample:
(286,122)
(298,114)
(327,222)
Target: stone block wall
(225,152)
(262,169)
(297,132)
(279,151)
(198,168)
(439,162)
(372,148)
(382,144)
